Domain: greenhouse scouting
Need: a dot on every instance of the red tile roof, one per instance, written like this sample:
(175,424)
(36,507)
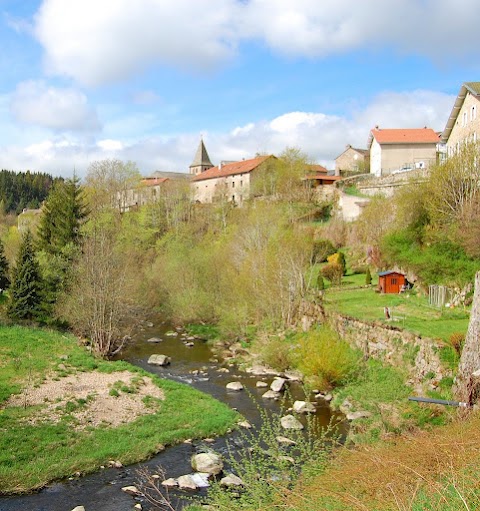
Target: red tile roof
(405,136)
(230,169)
(317,168)
(154,181)
(321,176)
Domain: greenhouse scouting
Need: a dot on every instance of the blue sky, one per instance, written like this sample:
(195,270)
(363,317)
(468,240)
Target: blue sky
(84,80)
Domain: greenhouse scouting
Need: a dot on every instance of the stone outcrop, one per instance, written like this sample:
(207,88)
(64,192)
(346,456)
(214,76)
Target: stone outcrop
(278,384)
(159,360)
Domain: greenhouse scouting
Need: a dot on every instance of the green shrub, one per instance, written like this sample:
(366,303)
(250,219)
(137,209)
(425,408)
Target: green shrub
(325,358)
(456,341)
(333,272)
(368,277)
(320,283)
(338,258)
(321,250)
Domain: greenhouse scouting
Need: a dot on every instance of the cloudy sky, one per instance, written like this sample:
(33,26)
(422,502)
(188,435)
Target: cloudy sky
(142,80)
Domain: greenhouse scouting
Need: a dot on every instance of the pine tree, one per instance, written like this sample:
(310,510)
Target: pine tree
(63,213)
(25,291)
(320,283)
(368,277)
(4,270)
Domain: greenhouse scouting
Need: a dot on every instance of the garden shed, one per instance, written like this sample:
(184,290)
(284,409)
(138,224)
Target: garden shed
(391,282)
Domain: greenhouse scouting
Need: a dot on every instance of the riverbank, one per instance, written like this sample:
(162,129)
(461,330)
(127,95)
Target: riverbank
(53,396)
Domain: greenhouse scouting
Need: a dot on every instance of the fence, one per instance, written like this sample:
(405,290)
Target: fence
(438,296)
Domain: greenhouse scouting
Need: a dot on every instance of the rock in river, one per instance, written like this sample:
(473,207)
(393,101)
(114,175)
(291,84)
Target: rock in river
(231,481)
(207,462)
(234,385)
(304,407)
(270,394)
(187,483)
(290,422)
(278,384)
(154,340)
(159,360)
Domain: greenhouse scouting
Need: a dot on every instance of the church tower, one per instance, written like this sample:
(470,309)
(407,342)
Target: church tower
(201,162)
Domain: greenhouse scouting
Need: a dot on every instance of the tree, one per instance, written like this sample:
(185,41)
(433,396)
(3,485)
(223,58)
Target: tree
(467,383)
(4,269)
(25,291)
(63,213)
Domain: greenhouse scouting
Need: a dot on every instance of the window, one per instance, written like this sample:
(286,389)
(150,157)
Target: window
(464,122)
(233,198)
(394,281)
(473,113)
(233,184)
(241,183)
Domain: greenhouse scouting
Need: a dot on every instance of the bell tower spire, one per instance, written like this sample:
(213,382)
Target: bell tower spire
(201,161)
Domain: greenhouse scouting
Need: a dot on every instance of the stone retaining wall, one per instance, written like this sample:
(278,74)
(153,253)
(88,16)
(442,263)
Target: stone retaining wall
(418,355)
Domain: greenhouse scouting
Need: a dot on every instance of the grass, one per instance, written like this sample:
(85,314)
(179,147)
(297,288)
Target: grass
(409,311)
(32,455)
(433,471)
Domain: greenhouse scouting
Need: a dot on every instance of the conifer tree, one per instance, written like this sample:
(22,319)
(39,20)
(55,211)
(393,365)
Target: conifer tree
(4,269)
(25,291)
(368,277)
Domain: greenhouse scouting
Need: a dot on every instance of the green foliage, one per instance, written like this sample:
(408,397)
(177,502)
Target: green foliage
(325,358)
(25,291)
(4,269)
(320,282)
(321,250)
(19,190)
(339,259)
(368,277)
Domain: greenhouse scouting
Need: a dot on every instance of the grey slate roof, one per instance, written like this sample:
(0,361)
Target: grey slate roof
(201,156)
(473,88)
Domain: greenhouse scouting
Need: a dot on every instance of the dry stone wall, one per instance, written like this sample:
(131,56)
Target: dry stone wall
(419,356)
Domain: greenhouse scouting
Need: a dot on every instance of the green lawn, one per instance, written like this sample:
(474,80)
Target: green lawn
(409,311)
(32,454)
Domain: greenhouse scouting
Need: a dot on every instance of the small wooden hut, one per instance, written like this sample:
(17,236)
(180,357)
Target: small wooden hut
(391,282)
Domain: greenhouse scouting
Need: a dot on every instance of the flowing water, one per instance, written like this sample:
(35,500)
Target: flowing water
(191,365)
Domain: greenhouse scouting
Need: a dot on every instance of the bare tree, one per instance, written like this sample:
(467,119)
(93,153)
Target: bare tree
(467,385)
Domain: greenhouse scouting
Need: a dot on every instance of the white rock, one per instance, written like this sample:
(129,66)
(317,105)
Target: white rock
(234,385)
(154,340)
(270,394)
(278,384)
(245,424)
(303,407)
(187,483)
(261,384)
(283,440)
(138,506)
(159,360)
(328,397)
(290,422)
(294,375)
(201,479)
(170,483)
(352,416)
(78,508)
(260,370)
(231,481)
(207,462)
(132,490)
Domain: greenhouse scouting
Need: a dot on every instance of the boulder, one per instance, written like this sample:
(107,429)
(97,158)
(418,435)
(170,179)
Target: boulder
(234,385)
(353,416)
(294,375)
(187,483)
(278,384)
(132,490)
(231,481)
(261,384)
(270,394)
(208,462)
(260,370)
(159,360)
(138,506)
(78,508)
(328,397)
(304,407)
(154,340)
(200,479)
(290,422)
(170,483)
(245,425)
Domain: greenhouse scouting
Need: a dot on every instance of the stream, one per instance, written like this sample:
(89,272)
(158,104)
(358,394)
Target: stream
(192,365)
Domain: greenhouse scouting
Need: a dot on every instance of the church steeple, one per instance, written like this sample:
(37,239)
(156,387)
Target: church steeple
(201,162)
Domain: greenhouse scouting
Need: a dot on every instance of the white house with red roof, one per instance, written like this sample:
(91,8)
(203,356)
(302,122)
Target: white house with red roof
(401,150)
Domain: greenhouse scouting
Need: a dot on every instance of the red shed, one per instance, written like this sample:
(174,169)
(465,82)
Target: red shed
(391,282)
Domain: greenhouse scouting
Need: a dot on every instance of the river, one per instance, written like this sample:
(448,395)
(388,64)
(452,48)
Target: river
(192,365)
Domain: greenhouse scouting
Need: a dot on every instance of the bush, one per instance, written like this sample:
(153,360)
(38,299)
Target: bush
(275,352)
(321,250)
(368,277)
(338,258)
(320,283)
(326,359)
(333,272)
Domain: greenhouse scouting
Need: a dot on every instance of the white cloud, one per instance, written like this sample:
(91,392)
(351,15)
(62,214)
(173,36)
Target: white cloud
(323,137)
(100,42)
(36,103)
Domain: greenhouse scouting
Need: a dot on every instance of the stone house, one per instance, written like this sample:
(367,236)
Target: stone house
(463,125)
(400,150)
(352,159)
(232,180)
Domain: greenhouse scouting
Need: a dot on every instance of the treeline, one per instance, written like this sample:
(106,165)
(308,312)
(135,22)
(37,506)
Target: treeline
(19,190)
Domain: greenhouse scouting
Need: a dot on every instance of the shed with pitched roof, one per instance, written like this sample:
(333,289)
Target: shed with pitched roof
(391,282)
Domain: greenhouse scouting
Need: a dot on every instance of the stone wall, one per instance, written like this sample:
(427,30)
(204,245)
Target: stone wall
(418,355)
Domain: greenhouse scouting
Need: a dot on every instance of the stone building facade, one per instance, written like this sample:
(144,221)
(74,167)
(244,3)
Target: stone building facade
(352,160)
(463,125)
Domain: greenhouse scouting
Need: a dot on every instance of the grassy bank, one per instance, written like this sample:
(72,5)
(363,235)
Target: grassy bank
(34,452)
(409,310)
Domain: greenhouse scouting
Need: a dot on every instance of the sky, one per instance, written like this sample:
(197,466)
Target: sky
(144,80)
